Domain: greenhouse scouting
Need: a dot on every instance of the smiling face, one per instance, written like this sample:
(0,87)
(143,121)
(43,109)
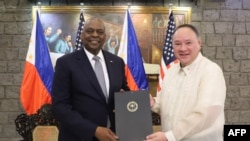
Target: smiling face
(93,35)
(186,45)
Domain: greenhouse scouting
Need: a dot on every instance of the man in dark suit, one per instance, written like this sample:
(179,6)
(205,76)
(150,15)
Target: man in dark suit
(78,101)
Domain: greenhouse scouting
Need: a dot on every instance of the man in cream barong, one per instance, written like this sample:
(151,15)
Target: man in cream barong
(191,102)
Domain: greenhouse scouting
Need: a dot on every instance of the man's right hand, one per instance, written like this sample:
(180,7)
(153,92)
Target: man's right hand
(105,134)
(59,31)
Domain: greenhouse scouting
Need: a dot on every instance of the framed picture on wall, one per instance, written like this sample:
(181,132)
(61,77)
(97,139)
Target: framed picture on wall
(150,25)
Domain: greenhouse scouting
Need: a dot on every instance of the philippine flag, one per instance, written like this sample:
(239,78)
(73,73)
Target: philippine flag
(130,52)
(38,72)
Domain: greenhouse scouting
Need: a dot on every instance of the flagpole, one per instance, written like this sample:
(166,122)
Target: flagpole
(170,7)
(39,7)
(129,5)
(81,4)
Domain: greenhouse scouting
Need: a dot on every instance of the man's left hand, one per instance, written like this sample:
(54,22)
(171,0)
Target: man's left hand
(158,136)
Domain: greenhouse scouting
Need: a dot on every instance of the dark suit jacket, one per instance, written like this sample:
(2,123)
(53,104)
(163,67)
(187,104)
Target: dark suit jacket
(78,102)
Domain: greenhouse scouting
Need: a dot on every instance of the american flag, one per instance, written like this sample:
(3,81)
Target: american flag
(78,43)
(168,56)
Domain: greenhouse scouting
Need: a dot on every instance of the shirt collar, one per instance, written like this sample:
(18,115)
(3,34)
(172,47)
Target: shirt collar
(90,55)
(187,69)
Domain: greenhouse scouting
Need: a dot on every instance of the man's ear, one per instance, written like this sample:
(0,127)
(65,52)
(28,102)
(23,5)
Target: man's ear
(199,41)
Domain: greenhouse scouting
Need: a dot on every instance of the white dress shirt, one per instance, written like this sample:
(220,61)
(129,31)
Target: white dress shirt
(106,77)
(191,103)
(102,61)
